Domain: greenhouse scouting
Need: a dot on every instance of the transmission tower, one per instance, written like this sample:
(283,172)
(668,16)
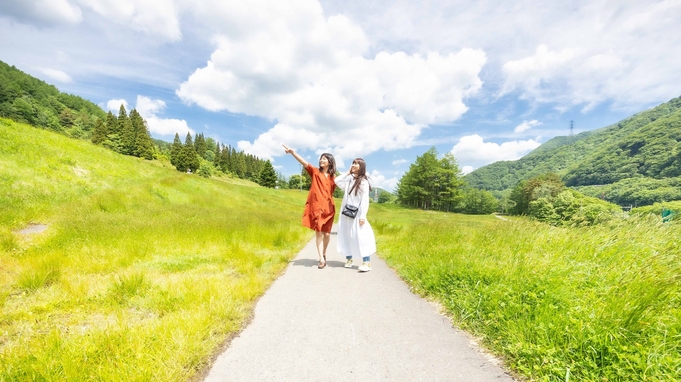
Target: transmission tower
(572,128)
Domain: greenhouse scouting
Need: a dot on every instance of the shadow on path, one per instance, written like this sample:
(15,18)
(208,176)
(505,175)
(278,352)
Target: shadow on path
(338,324)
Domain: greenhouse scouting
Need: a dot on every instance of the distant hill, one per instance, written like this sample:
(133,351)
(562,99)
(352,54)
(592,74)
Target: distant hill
(636,161)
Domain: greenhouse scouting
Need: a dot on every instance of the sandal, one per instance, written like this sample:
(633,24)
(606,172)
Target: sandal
(321,264)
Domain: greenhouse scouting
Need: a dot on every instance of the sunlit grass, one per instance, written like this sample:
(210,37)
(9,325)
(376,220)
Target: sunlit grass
(143,271)
(602,302)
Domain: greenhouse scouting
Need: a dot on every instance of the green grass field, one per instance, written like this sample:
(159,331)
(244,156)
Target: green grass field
(601,303)
(143,271)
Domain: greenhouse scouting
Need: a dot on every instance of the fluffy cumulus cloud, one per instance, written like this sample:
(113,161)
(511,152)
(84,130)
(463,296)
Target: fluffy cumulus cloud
(312,75)
(629,63)
(115,105)
(578,53)
(526,125)
(149,109)
(472,151)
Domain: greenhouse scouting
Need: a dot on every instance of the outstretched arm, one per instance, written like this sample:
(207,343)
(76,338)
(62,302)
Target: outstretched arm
(300,159)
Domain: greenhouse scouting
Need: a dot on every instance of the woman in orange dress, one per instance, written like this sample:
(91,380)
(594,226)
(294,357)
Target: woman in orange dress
(319,208)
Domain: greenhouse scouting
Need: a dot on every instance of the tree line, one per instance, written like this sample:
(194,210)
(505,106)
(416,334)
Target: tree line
(437,184)
(205,156)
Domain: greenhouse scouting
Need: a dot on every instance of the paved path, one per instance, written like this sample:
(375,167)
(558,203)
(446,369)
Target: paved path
(336,324)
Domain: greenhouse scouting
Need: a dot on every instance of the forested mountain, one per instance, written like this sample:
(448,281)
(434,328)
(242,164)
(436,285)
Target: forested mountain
(636,161)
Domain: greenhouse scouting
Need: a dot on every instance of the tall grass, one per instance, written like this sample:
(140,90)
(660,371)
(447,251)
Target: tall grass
(590,304)
(143,271)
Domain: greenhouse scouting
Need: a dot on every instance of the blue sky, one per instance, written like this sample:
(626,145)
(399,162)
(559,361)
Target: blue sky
(382,80)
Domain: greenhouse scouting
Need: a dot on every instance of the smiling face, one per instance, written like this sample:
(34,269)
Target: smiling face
(323,163)
(354,167)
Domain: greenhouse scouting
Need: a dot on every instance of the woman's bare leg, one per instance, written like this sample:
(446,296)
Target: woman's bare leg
(327,238)
(321,247)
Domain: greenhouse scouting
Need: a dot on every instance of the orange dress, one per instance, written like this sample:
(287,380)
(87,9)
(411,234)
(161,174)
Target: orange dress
(319,207)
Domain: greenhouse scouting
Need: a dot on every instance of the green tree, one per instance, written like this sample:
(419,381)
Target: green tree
(268,177)
(99,135)
(188,159)
(175,150)
(542,186)
(126,132)
(477,202)
(431,183)
(200,145)
(143,145)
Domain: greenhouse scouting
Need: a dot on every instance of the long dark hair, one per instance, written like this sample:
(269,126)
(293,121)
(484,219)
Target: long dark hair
(331,168)
(359,175)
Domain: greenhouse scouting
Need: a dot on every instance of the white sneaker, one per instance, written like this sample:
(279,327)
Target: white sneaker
(365,267)
(348,264)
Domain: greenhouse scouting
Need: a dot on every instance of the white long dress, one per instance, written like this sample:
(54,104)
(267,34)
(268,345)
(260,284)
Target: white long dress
(353,239)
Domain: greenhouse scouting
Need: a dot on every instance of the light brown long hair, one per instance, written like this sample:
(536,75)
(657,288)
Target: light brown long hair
(359,175)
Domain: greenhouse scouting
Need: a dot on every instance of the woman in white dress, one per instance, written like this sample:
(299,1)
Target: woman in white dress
(355,236)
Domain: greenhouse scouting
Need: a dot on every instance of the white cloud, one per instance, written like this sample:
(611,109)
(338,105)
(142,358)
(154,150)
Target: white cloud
(157,18)
(148,109)
(472,151)
(380,181)
(399,162)
(467,169)
(46,12)
(115,105)
(57,75)
(313,78)
(526,125)
(581,52)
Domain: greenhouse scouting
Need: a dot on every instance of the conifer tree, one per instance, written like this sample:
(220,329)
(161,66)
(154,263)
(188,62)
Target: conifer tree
(238,162)
(175,150)
(111,123)
(188,160)
(127,133)
(268,177)
(99,134)
(143,145)
(218,158)
(200,145)
(113,134)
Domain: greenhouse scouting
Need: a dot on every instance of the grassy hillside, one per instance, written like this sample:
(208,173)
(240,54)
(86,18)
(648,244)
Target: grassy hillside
(142,271)
(646,146)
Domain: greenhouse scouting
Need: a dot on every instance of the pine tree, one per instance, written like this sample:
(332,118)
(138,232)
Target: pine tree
(175,150)
(238,163)
(187,159)
(127,133)
(268,177)
(113,134)
(143,145)
(200,145)
(99,134)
